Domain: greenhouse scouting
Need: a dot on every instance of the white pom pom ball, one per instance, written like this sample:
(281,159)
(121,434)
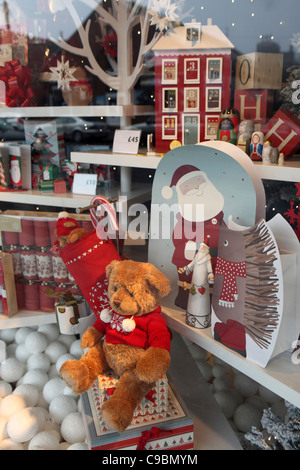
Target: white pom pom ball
(36,377)
(55,350)
(246,416)
(11,370)
(38,361)
(11,404)
(245,386)
(5,389)
(53,388)
(50,331)
(45,440)
(67,340)
(22,353)
(227,402)
(72,428)
(78,446)
(3,353)
(3,427)
(23,425)
(62,359)
(29,392)
(128,324)
(9,444)
(36,342)
(22,333)
(8,335)
(61,406)
(75,348)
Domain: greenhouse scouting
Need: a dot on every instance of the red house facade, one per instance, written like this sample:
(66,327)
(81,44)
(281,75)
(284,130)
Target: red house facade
(192,84)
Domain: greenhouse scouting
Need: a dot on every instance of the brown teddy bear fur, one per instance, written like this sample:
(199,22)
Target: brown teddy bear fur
(134,289)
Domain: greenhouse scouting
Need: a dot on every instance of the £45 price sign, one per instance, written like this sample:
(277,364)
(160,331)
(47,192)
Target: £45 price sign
(126,141)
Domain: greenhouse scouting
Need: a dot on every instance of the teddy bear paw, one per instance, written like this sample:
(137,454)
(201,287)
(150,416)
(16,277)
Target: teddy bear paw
(117,414)
(76,376)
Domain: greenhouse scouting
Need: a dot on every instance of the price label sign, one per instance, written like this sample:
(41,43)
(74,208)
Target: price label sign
(84,184)
(126,141)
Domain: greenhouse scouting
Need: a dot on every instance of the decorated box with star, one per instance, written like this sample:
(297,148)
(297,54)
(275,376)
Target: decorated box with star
(156,401)
(172,429)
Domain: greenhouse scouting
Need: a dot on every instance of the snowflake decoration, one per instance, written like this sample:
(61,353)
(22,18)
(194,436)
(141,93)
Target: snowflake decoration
(163,14)
(295,41)
(63,74)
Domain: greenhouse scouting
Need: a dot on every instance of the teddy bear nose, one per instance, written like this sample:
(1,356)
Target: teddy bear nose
(117,303)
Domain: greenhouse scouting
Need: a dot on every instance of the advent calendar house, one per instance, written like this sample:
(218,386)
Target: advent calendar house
(192,83)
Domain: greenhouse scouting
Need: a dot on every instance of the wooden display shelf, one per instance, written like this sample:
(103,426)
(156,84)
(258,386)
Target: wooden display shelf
(26,318)
(81,111)
(281,375)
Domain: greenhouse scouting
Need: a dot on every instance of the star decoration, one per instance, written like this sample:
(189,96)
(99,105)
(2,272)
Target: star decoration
(63,74)
(163,14)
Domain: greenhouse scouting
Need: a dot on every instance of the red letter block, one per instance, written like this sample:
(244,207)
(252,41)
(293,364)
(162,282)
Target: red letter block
(283,131)
(256,105)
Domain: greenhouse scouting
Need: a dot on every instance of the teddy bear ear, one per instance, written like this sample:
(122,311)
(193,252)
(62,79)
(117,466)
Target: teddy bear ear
(157,280)
(109,268)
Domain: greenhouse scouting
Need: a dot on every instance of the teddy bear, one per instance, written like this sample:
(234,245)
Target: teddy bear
(130,338)
(68,230)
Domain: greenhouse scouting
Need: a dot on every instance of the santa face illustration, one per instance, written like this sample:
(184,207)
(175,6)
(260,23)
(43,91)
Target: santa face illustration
(200,214)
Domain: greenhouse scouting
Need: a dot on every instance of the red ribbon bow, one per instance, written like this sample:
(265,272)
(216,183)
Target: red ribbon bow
(146,435)
(17,80)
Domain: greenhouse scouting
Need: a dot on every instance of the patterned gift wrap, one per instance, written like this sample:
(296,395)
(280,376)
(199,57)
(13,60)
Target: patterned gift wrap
(171,429)
(156,401)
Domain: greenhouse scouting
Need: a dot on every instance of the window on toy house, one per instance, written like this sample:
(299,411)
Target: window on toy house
(192,32)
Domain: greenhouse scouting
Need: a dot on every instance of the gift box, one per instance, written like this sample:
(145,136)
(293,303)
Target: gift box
(14,43)
(156,401)
(171,429)
(8,296)
(283,131)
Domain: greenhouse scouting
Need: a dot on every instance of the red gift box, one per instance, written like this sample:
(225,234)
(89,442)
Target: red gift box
(283,131)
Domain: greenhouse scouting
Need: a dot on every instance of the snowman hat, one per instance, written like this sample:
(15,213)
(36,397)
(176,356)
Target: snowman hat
(181,174)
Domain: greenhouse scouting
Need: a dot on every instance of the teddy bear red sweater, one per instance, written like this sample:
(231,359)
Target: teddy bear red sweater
(150,330)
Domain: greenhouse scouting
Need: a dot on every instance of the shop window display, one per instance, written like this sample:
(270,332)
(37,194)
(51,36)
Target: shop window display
(183,72)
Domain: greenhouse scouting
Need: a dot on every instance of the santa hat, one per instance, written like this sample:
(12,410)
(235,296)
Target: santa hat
(181,174)
(206,241)
(61,228)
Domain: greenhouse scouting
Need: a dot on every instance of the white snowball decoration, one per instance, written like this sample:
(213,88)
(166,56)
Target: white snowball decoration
(3,427)
(29,392)
(54,350)
(11,404)
(8,335)
(75,349)
(62,359)
(22,333)
(2,350)
(78,446)
(221,383)
(246,416)
(45,440)
(36,377)
(218,370)
(11,350)
(268,395)
(227,402)
(53,388)
(50,331)
(205,369)
(36,342)
(64,445)
(38,361)
(257,401)
(72,428)
(22,353)
(245,386)
(67,340)
(5,389)
(9,444)
(11,369)
(61,406)
(23,425)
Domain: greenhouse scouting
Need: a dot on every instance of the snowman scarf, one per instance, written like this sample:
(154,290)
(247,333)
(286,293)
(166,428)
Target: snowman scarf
(230,270)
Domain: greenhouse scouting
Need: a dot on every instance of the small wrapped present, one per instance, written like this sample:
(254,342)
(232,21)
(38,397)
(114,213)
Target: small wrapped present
(156,401)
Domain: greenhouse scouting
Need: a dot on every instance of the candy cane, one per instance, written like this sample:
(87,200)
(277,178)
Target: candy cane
(108,207)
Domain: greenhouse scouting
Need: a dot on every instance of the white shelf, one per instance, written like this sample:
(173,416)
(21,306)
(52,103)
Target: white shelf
(281,375)
(139,193)
(117,159)
(26,318)
(290,171)
(64,111)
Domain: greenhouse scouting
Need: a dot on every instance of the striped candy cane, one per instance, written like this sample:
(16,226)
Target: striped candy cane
(100,200)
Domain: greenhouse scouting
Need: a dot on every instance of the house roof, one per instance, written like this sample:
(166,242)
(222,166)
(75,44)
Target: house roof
(211,38)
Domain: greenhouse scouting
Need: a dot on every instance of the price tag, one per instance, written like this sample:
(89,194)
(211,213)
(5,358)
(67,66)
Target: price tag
(84,184)
(126,141)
